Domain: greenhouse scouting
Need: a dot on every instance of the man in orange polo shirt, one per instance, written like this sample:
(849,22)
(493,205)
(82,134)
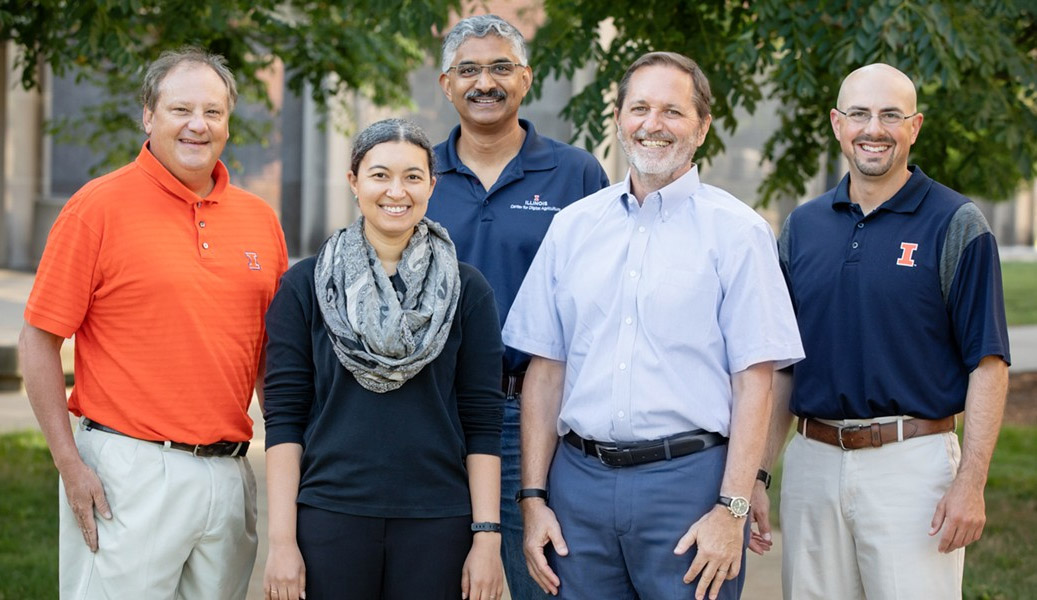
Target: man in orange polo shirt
(163,272)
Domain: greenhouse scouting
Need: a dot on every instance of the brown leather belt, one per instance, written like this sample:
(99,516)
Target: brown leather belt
(855,437)
(511,383)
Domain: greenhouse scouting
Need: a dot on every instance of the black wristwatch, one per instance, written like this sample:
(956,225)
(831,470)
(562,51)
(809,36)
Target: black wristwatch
(765,477)
(530,493)
(486,526)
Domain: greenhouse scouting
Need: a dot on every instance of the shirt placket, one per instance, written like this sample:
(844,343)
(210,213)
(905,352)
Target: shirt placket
(644,218)
(202,232)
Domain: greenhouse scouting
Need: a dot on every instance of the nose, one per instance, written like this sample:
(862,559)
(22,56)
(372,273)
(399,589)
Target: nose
(395,190)
(484,81)
(196,122)
(651,121)
(874,126)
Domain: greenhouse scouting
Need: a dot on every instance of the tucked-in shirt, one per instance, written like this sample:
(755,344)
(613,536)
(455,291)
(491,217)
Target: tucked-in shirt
(653,308)
(499,230)
(897,307)
(165,292)
(400,454)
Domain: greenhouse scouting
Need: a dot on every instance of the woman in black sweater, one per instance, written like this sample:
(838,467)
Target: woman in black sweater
(383,402)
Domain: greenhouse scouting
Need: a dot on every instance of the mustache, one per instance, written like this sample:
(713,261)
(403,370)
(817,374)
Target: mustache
(864,138)
(492,94)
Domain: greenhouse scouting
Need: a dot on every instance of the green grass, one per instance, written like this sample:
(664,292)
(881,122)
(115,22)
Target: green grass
(28,518)
(1020,281)
(1000,565)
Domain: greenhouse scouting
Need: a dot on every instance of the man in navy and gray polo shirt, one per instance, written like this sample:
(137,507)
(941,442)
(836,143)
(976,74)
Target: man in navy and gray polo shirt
(896,284)
(499,185)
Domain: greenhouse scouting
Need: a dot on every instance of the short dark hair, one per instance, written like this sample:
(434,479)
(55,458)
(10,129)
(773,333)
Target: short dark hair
(703,97)
(390,130)
(171,59)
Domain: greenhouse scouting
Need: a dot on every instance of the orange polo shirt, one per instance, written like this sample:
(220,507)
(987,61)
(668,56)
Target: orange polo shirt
(165,292)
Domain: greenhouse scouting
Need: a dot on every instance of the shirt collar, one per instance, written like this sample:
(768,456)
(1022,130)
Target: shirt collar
(147,162)
(906,200)
(534,155)
(673,194)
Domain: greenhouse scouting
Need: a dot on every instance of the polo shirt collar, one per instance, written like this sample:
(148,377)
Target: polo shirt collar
(534,155)
(147,162)
(906,200)
(673,194)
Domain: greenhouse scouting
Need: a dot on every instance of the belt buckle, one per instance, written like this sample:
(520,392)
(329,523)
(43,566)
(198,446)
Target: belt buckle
(850,428)
(599,448)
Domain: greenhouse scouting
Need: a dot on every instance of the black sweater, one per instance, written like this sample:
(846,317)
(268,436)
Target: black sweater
(399,454)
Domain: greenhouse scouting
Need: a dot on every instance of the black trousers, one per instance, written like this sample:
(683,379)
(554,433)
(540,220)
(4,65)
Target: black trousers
(369,558)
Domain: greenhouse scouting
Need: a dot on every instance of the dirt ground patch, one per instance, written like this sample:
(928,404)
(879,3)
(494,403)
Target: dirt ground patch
(1022,399)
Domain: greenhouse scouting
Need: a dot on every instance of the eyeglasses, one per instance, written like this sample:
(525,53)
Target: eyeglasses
(499,70)
(888,117)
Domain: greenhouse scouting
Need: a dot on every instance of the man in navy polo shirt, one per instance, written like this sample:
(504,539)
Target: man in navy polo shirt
(499,185)
(896,284)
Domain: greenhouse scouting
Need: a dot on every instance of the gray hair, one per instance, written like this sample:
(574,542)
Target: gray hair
(479,27)
(703,97)
(171,59)
(390,130)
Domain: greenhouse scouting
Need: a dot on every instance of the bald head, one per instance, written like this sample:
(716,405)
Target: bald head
(880,82)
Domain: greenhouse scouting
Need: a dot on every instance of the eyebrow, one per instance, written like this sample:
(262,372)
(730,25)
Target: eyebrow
(881,110)
(407,170)
(492,62)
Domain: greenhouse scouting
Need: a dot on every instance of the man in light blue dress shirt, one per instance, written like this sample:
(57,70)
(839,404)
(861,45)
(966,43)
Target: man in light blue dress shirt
(655,312)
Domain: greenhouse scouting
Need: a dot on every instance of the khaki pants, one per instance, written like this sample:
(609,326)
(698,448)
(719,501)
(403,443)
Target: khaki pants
(855,524)
(181,527)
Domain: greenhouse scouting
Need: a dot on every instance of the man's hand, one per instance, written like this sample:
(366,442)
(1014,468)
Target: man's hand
(285,575)
(718,535)
(759,513)
(482,577)
(541,528)
(85,495)
(961,514)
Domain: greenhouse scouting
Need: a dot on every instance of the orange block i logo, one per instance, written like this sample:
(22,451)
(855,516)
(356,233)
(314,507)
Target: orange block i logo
(907,251)
(253,261)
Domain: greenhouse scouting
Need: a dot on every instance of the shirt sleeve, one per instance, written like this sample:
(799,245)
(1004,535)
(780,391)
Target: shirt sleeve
(533,325)
(477,381)
(68,274)
(756,313)
(289,386)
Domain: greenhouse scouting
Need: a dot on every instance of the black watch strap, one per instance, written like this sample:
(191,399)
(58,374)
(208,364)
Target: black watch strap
(765,477)
(530,493)
(486,526)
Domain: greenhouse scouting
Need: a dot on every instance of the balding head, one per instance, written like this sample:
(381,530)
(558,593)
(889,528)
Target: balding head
(878,81)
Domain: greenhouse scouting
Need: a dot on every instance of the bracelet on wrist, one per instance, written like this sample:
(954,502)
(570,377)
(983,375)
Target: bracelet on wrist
(765,477)
(486,526)
(531,493)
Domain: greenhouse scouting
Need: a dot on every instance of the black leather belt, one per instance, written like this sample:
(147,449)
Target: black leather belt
(204,450)
(511,383)
(612,454)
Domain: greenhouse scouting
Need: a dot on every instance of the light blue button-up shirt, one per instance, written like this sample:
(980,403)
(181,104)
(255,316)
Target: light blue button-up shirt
(652,307)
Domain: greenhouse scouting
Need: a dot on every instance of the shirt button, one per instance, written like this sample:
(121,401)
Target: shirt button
(622,366)
(641,229)
(854,245)
(205,245)
(201,224)
(860,225)
(633,273)
(621,414)
(628,321)
(198,204)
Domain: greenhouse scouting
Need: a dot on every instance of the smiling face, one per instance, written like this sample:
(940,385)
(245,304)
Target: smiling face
(485,100)
(873,149)
(188,128)
(659,129)
(392,186)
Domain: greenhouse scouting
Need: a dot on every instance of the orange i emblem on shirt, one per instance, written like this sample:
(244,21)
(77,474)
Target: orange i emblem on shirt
(907,251)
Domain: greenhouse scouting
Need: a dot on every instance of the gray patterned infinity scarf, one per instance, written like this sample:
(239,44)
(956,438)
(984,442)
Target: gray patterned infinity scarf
(384,336)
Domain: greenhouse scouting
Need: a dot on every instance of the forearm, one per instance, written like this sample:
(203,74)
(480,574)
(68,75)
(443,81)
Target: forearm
(282,477)
(541,403)
(749,423)
(984,408)
(484,487)
(40,355)
(781,418)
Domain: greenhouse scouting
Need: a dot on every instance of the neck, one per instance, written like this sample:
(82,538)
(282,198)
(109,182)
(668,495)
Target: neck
(490,146)
(643,184)
(201,187)
(389,249)
(871,192)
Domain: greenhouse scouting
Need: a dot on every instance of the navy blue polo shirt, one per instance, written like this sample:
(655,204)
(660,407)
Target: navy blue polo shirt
(895,308)
(499,231)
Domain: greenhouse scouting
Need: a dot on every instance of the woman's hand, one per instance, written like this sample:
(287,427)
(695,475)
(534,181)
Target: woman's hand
(482,577)
(285,576)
